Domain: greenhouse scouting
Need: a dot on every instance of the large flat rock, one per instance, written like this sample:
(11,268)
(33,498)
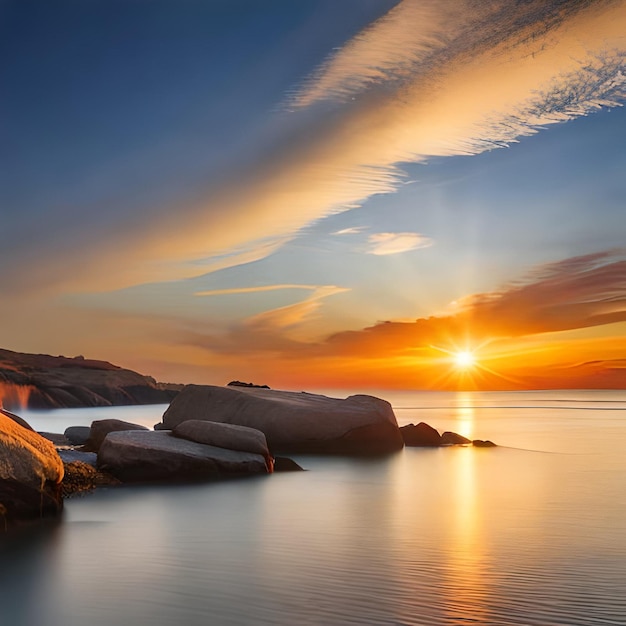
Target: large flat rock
(30,474)
(292,421)
(145,456)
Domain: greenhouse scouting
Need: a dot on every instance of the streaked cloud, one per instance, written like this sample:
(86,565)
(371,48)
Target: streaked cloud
(573,294)
(429,79)
(396,243)
(234,290)
(354,230)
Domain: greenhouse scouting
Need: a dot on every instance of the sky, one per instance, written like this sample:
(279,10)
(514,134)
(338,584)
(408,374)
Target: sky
(318,194)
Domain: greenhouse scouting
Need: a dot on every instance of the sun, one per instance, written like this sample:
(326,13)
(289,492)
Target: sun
(464,360)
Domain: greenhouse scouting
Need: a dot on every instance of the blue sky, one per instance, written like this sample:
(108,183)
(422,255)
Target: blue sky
(203,190)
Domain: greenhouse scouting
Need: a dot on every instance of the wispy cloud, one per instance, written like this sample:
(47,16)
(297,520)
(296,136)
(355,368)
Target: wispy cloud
(395,243)
(432,78)
(237,290)
(354,230)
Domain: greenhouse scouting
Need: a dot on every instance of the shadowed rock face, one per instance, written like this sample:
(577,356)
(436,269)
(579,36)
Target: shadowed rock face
(30,475)
(144,456)
(291,421)
(43,381)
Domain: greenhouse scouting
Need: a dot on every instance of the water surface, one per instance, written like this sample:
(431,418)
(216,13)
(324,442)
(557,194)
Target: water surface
(530,533)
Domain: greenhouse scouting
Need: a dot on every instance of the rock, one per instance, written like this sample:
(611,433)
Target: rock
(69,456)
(101,428)
(30,475)
(44,381)
(296,422)
(77,435)
(82,477)
(453,439)
(56,438)
(238,383)
(144,456)
(283,464)
(420,435)
(229,436)
(17,419)
(480,443)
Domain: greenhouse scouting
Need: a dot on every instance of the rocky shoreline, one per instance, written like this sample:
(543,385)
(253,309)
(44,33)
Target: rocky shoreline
(207,433)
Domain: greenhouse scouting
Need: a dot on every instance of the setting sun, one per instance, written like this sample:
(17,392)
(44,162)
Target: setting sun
(464,359)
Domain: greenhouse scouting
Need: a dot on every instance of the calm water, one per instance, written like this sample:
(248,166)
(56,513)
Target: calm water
(530,533)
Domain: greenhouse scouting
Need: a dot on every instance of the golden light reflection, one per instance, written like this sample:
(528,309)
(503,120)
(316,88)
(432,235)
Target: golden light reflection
(464,415)
(466,559)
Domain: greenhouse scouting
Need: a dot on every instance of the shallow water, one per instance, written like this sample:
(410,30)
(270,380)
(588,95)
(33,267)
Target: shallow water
(530,533)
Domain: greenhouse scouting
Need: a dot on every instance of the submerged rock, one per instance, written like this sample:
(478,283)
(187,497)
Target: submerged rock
(421,435)
(101,428)
(144,456)
(30,474)
(292,421)
(83,477)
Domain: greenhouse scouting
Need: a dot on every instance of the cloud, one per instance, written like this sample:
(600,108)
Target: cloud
(576,293)
(395,243)
(234,290)
(441,78)
(355,230)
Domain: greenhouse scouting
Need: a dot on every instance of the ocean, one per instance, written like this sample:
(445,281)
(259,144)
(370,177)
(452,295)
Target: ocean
(532,532)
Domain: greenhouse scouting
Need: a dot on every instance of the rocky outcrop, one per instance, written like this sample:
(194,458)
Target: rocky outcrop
(30,475)
(101,428)
(238,383)
(44,381)
(227,436)
(421,435)
(291,421)
(147,456)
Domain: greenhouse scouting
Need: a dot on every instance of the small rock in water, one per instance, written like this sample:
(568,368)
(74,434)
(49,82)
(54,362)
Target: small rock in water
(480,443)
(284,464)
(453,439)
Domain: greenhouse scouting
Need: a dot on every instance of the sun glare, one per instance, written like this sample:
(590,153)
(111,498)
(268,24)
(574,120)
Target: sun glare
(464,360)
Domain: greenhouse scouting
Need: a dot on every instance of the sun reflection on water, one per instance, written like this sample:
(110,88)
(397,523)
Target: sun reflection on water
(464,414)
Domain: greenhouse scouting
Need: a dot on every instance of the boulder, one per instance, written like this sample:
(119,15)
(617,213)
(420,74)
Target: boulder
(77,435)
(420,435)
(30,475)
(284,464)
(480,443)
(291,421)
(101,428)
(453,439)
(146,456)
(229,436)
